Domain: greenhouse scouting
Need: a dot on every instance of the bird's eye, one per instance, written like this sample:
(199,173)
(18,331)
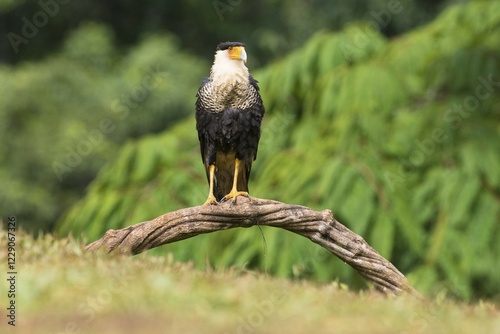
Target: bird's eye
(230,48)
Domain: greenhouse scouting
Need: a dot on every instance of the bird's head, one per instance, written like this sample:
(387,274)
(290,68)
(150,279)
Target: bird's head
(229,63)
(232,51)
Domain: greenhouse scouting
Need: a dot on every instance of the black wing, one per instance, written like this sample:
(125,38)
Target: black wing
(200,117)
(258,109)
(256,114)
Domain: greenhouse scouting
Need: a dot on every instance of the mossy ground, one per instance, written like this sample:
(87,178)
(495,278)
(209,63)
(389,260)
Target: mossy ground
(61,288)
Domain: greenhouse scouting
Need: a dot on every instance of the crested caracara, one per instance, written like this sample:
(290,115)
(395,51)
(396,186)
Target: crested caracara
(229,113)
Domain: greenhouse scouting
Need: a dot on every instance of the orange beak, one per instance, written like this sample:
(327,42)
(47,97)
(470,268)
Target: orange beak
(237,53)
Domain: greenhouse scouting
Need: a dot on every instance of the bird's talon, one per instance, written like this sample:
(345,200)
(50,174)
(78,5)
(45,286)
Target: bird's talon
(211,200)
(232,196)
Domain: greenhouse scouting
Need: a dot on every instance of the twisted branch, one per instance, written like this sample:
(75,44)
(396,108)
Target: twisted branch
(318,226)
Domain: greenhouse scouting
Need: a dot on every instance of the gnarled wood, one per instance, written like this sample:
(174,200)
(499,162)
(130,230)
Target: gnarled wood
(318,226)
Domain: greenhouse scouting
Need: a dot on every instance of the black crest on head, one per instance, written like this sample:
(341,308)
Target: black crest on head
(227,45)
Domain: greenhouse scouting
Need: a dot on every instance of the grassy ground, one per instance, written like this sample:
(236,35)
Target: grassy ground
(63,289)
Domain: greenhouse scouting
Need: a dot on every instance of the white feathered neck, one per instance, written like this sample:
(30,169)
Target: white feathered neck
(228,71)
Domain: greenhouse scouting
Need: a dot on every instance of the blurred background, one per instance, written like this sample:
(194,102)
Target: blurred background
(386,112)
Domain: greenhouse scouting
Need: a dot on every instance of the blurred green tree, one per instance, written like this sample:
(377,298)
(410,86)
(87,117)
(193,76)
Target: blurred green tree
(63,118)
(399,138)
(89,82)
(271,28)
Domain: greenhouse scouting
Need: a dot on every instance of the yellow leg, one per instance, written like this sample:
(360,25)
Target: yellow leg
(234,191)
(211,198)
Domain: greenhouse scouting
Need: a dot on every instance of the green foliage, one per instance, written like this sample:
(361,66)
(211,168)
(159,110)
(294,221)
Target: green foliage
(399,138)
(271,29)
(63,118)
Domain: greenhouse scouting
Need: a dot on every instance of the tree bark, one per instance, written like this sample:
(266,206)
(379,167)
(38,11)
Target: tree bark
(318,226)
